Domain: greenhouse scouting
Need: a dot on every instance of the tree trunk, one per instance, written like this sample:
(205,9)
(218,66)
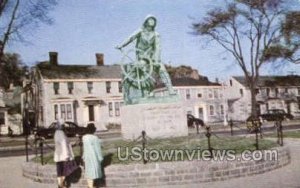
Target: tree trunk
(253,100)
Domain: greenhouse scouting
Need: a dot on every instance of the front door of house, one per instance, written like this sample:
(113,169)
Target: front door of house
(200,113)
(91,113)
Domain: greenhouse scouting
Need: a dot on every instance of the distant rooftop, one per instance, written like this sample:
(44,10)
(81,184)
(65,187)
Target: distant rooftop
(272,81)
(49,71)
(186,81)
(193,82)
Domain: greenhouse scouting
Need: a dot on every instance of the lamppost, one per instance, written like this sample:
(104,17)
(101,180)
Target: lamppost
(26,126)
(224,105)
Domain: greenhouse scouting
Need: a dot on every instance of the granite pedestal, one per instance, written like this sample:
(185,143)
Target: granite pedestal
(158,120)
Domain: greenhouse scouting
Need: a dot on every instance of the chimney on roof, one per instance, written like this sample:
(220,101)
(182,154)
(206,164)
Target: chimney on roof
(53,58)
(100,59)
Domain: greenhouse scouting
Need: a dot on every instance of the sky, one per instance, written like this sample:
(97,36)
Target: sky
(83,28)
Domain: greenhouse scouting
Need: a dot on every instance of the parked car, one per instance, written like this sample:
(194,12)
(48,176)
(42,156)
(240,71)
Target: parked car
(191,121)
(276,114)
(71,130)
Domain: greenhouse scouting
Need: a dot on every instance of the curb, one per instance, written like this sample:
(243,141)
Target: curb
(167,173)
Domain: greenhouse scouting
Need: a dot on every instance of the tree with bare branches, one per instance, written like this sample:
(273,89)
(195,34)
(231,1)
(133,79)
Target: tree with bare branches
(254,32)
(20,17)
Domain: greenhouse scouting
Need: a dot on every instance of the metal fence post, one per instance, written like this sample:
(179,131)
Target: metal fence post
(26,147)
(80,145)
(279,132)
(231,126)
(144,140)
(42,151)
(255,123)
(35,146)
(208,135)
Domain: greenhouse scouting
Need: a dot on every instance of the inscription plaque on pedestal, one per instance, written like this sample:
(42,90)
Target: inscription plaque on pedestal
(158,120)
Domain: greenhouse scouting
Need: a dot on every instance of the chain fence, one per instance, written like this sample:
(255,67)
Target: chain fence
(39,145)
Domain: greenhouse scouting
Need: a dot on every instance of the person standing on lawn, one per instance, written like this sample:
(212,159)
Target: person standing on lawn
(92,155)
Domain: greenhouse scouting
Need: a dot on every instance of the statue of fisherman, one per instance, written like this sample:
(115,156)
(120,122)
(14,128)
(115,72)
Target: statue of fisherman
(147,45)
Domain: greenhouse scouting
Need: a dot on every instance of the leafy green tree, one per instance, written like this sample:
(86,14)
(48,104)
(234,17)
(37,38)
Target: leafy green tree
(254,32)
(288,49)
(182,71)
(19,18)
(13,70)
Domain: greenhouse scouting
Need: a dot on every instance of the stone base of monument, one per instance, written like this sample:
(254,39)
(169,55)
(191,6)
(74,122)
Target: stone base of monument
(158,120)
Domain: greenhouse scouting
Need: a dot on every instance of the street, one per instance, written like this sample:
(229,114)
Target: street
(19,150)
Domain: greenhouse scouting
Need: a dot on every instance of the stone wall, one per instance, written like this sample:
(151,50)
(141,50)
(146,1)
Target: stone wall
(171,173)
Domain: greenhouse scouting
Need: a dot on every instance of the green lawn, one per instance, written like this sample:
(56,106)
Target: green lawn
(187,143)
(17,142)
(287,134)
(12,143)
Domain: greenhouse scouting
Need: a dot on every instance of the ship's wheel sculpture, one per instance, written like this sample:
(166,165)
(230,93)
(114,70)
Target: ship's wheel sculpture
(138,78)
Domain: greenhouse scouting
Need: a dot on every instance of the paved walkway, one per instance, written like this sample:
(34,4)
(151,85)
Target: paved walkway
(11,174)
(288,176)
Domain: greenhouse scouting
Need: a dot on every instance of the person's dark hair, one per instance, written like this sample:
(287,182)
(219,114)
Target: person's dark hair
(59,126)
(91,128)
(63,127)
